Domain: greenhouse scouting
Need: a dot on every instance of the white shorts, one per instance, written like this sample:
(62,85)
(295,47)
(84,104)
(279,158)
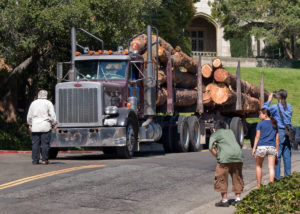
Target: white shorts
(263,151)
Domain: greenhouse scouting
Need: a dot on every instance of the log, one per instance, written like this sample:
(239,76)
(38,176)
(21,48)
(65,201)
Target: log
(180,79)
(161,96)
(139,43)
(222,95)
(207,101)
(223,76)
(164,44)
(162,77)
(184,79)
(206,71)
(181,59)
(184,97)
(217,63)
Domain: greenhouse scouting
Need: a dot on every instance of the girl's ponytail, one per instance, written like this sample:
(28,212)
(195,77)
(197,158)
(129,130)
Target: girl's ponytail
(274,122)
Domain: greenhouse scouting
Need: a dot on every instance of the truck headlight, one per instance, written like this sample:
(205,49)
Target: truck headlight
(110,122)
(110,110)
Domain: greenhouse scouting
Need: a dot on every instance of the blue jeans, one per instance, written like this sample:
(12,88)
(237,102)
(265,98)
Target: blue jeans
(285,152)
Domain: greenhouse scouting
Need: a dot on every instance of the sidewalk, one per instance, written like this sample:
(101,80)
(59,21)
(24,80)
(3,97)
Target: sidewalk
(210,207)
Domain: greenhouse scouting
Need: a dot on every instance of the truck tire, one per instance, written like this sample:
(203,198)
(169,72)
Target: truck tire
(53,152)
(197,134)
(182,145)
(236,125)
(166,139)
(127,151)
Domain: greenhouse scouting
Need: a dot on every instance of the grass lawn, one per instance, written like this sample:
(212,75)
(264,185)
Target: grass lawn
(275,79)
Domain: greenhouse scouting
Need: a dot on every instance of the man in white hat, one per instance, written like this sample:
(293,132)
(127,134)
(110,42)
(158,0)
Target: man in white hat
(41,119)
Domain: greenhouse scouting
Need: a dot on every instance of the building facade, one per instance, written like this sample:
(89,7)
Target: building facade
(207,35)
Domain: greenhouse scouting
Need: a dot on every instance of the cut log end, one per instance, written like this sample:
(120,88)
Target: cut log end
(217,63)
(207,71)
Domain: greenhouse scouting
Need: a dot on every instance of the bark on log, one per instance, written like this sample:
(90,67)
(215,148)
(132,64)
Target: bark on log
(184,97)
(223,76)
(181,59)
(207,71)
(139,43)
(207,101)
(184,80)
(161,96)
(162,77)
(217,63)
(222,95)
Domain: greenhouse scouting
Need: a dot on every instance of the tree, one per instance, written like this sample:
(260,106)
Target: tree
(276,21)
(35,34)
(172,19)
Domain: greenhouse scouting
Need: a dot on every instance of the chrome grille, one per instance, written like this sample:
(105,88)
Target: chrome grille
(77,105)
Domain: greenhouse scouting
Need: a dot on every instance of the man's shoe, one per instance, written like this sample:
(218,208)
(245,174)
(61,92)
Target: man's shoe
(222,204)
(35,162)
(45,162)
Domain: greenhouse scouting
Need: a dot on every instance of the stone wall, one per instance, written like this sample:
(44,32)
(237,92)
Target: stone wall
(250,62)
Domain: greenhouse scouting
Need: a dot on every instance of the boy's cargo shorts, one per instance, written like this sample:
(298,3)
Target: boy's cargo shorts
(221,177)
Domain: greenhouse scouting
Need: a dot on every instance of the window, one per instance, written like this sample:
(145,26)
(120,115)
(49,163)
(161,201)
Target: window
(197,40)
(112,69)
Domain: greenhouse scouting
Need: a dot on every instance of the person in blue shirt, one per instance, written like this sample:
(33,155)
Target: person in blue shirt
(284,142)
(266,144)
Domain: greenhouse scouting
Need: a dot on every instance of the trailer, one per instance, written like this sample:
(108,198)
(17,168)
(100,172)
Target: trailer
(108,102)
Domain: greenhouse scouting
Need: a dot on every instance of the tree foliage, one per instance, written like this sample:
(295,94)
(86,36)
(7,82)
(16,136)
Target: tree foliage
(172,19)
(276,21)
(35,34)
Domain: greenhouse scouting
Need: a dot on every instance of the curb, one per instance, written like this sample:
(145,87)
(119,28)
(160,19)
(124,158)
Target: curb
(5,152)
(209,207)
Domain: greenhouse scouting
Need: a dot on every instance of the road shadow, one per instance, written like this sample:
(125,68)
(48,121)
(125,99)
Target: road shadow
(101,156)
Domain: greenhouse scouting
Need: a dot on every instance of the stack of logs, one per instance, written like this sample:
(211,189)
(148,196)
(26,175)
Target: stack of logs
(218,85)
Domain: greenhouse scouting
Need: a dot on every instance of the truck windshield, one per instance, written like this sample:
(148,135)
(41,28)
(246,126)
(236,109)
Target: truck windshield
(113,69)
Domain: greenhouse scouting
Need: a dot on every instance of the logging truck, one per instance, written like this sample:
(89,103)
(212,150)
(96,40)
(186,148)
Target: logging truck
(116,101)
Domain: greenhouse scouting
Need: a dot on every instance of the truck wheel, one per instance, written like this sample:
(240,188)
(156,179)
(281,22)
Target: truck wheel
(166,139)
(184,135)
(197,134)
(236,126)
(131,140)
(53,153)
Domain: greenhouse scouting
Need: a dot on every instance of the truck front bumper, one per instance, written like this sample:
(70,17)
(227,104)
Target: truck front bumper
(83,137)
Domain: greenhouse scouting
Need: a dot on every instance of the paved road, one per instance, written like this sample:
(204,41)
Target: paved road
(149,183)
